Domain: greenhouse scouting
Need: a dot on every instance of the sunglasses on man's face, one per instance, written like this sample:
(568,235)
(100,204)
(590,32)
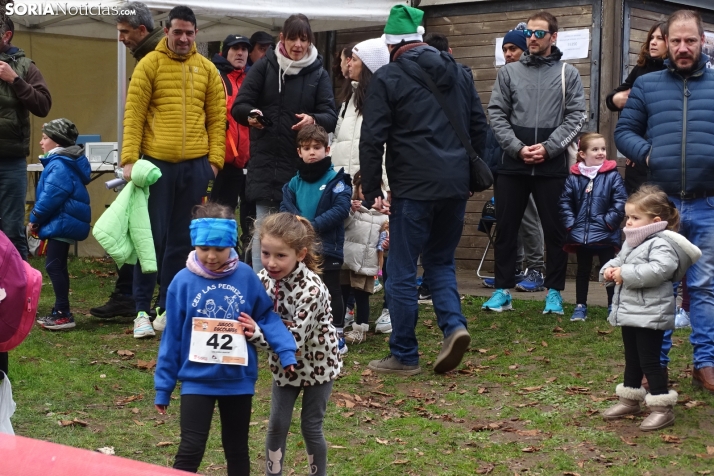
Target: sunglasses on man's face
(540,34)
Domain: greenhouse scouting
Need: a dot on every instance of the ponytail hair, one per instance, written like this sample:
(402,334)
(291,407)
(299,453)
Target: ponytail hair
(652,201)
(585,141)
(296,232)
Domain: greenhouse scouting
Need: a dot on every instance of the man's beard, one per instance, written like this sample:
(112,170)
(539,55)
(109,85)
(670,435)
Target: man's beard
(695,64)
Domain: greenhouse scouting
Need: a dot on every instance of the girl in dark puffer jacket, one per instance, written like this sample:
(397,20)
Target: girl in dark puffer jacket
(592,206)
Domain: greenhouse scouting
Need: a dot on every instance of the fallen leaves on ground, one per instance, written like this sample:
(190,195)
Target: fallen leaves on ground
(628,442)
(107,450)
(161,444)
(146,364)
(133,398)
(125,353)
(486,469)
(75,422)
(530,449)
(670,439)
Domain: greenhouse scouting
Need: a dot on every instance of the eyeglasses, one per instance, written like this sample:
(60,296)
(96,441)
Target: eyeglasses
(540,34)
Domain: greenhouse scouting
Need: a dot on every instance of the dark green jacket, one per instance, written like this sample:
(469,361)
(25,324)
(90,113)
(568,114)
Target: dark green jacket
(27,94)
(148,44)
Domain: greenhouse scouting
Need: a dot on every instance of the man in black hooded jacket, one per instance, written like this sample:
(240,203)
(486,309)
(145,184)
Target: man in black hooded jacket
(430,169)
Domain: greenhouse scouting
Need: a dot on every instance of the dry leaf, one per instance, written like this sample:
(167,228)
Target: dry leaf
(125,353)
(530,349)
(400,461)
(513,367)
(528,432)
(74,422)
(161,444)
(551,379)
(107,450)
(349,404)
(706,471)
(532,389)
(491,357)
(544,344)
(604,333)
(366,373)
(571,473)
(146,364)
(338,447)
(488,469)
(710,450)
(670,439)
(558,329)
(138,422)
(482,390)
(627,442)
(348,414)
(529,449)
(381,441)
(694,403)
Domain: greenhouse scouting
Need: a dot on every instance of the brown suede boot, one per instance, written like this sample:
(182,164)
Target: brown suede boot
(662,414)
(629,404)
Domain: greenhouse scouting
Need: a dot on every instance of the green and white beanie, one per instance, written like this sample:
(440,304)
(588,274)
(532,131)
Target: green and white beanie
(403,24)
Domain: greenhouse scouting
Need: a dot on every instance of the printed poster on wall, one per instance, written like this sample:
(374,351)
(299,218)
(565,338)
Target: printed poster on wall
(708,47)
(575,44)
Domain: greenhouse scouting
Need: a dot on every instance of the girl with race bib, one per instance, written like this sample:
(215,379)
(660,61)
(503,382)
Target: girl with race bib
(290,278)
(211,309)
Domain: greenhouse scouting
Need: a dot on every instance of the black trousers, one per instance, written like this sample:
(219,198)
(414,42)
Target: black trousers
(511,201)
(642,356)
(385,304)
(196,416)
(361,303)
(125,280)
(3,364)
(228,187)
(585,264)
(56,266)
(331,277)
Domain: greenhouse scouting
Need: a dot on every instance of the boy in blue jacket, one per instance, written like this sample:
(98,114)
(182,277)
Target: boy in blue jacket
(204,344)
(323,196)
(61,214)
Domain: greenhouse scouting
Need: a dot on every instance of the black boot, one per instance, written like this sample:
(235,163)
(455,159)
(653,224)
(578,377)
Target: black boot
(118,305)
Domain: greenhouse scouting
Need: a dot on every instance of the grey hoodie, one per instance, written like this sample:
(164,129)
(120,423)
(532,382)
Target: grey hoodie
(526,108)
(645,297)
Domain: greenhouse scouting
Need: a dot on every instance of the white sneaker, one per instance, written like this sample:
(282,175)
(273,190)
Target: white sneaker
(349,318)
(357,334)
(160,321)
(377,285)
(384,323)
(142,326)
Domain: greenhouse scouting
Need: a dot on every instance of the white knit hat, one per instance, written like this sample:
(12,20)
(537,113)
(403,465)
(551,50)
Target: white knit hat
(373,53)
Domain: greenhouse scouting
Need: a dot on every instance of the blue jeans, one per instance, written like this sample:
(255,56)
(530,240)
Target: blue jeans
(697,225)
(13,188)
(431,227)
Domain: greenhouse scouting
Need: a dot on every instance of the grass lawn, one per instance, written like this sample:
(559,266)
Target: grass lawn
(526,399)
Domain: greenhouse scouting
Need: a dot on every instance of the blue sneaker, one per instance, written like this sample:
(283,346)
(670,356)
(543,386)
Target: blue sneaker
(553,302)
(342,346)
(500,301)
(491,282)
(533,282)
(580,313)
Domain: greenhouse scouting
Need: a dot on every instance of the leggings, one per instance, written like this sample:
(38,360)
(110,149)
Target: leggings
(331,277)
(361,303)
(585,264)
(56,266)
(642,349)
(3,364)
(314,405)
(196,416)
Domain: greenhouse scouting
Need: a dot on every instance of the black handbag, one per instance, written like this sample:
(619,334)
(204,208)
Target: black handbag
(480,177)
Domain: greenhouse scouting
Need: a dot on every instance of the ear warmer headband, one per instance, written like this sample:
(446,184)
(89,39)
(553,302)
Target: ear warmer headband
(218,232)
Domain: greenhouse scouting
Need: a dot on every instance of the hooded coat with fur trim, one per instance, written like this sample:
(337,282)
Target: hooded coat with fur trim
(593,217)
(645,298)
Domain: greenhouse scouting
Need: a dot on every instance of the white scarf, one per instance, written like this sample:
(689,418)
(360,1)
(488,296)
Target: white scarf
(590,171)
(288,66)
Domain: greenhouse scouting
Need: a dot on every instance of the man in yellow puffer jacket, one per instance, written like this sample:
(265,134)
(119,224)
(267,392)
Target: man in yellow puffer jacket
(175,118)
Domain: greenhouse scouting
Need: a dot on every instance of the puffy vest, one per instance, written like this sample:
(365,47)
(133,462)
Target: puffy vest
(14,117)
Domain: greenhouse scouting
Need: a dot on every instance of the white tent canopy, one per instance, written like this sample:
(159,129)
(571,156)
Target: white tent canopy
(216,18)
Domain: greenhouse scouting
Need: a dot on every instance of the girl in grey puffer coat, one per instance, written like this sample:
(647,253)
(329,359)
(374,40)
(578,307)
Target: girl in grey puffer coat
(652,258)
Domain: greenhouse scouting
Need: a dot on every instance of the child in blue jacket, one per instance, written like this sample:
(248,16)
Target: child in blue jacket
(61,213)
(204,344)
(323,196)
(592,206)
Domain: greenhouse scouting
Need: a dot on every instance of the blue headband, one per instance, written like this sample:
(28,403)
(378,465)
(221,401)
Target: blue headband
(219,232)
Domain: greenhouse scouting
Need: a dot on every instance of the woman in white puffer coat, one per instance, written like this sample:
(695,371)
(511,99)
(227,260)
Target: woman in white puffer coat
(367,57)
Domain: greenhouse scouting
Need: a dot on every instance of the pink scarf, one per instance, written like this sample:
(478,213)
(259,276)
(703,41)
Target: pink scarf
(228,268)
(635,236)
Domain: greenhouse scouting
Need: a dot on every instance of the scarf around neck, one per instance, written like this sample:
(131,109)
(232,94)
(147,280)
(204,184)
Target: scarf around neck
(287,66)
(635,236)
(589,171)
(312,172)
(228,268)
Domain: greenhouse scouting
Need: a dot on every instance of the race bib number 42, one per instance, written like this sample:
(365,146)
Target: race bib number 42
(218,341)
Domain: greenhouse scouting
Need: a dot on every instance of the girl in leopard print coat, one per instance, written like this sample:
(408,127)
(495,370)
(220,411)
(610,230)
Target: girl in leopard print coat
(302,300)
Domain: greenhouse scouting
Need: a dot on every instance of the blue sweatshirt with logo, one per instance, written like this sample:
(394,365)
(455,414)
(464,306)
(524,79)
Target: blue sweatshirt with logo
(191,295)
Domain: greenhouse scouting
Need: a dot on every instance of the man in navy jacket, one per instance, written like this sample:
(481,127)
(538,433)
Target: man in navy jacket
(668,125)
(428,171)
